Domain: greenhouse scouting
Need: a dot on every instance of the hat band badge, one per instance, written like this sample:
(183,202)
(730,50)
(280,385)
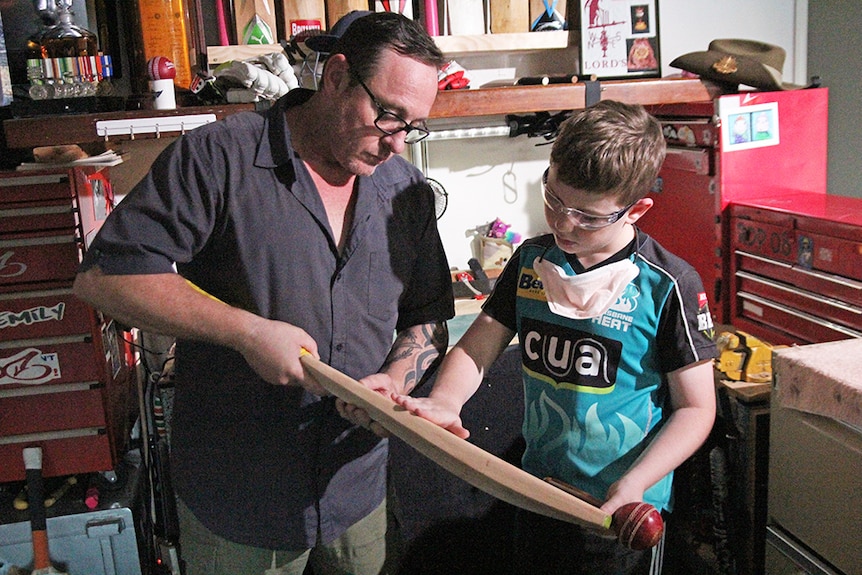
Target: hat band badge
(726,65)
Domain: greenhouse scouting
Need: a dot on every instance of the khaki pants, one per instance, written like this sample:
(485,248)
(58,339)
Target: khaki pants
(362,550)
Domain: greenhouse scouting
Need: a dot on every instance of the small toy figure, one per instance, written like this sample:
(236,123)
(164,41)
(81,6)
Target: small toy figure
(499,229)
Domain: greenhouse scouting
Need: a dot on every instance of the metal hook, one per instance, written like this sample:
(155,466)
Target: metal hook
(510,186)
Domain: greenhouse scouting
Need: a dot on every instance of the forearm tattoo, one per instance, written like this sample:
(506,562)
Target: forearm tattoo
(423,345)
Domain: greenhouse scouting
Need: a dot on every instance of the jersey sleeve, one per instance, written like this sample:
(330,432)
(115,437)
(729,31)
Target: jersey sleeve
(686,333)
(501,303)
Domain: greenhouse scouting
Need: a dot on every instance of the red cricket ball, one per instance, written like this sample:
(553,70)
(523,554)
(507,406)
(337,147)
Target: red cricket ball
(638,525)
(160,68)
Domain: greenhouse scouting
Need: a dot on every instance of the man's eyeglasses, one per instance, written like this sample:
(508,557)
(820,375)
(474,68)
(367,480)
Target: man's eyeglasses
(391,123)
(579,218)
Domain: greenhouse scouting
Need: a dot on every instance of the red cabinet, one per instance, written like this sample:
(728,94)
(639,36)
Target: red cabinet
(65,371)
(796,267)
(707,169)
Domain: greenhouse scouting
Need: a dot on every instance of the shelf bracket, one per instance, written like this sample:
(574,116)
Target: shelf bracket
(592,92)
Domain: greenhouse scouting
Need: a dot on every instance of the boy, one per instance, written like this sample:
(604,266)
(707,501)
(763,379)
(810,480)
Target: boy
(615,338)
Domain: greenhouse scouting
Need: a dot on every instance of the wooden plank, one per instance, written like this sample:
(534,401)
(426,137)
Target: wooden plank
(658,91)
(81,128)
(519,100)
(450,45)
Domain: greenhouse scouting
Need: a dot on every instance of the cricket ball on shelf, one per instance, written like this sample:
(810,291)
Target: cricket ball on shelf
(161,68)
(638,525)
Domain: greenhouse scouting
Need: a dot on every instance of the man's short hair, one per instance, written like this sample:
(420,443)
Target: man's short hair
(366,37)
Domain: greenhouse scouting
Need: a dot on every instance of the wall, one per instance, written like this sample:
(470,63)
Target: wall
(689,25)
(833,39)
(501,177)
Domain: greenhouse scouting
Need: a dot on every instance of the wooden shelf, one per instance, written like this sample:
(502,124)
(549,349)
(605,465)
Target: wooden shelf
(528,99)
(81,128)
(450,45)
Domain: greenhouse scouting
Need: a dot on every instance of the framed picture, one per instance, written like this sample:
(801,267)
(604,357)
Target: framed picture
(619,38)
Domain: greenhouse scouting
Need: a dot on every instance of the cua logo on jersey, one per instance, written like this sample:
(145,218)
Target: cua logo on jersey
(567,358)
(704,317)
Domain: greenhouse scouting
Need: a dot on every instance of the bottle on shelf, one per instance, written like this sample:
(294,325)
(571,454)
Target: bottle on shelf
(165,29)
(46,13)
(65,39)
(64,60)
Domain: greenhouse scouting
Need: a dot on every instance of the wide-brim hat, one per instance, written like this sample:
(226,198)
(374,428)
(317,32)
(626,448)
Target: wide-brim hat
(734,61)
(323,43)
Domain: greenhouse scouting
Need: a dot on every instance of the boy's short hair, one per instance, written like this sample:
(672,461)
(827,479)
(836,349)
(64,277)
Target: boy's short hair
(610,148)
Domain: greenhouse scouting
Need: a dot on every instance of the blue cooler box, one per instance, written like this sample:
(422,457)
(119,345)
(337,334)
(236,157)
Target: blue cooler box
(106,541)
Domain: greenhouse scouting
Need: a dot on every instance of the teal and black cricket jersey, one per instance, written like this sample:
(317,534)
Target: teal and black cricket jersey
(596,390)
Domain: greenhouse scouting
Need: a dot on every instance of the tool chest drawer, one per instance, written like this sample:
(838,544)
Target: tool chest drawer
(56,360)
(54,215)
(44,313)
(30,414)
(66,374)
(796,268)
(49,260)
(18,188)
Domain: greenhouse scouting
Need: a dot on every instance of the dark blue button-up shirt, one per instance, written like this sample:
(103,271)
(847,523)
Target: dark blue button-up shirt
(233,207)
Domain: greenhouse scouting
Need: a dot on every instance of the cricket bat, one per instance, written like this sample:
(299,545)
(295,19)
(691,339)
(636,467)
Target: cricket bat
(38,521)
(540,8)
(303,10)
(255,21)
(510,16)
(335,9)
(465,17)
(471,463)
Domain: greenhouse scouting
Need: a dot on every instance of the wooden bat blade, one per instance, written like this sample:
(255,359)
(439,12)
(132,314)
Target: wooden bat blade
(303,10)
(255,21)
(508,16)
(335,9)
(474,465)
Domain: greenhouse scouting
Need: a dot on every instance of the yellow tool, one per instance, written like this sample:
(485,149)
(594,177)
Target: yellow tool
(744,357)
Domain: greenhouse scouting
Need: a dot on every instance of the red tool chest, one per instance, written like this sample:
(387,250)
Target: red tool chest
(65,371)
(796,267)
(707,168)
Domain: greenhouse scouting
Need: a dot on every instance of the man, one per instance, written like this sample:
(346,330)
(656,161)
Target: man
(303,228)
